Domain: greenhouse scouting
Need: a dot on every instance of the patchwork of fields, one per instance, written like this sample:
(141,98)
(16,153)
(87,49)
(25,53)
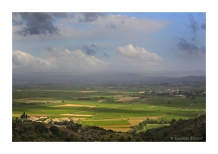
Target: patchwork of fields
(116,109)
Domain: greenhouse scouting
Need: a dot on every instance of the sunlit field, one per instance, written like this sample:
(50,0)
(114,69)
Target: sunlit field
(117,108)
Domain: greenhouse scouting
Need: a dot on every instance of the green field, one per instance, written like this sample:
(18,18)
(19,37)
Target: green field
(117,109)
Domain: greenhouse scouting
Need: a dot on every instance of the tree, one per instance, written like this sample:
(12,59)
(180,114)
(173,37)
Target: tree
(54,129)
(23,116)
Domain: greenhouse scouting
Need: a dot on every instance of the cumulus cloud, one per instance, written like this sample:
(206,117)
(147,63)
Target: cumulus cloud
(73,60)
(93,45)
(92,49)
(57,59)
(193,26)
(106,55)
(111,26)
(90,16)
(60,14)
(186,48)
(24,61)
(89,49)
(139,55)
(203,18)
(36,23)
(82,25)
(127,24)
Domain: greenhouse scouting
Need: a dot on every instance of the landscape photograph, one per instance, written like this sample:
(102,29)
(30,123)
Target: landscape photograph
(108,76)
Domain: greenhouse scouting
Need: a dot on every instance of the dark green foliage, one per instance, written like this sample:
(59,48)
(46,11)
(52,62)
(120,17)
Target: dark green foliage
(24,116)
(75,127)
(181,130)
(54,130)
(36,131)
(28,131)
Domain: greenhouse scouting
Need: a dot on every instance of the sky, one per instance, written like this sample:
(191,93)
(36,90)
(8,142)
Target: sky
(76,42)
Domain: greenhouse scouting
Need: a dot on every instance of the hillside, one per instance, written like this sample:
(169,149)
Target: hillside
(182,130)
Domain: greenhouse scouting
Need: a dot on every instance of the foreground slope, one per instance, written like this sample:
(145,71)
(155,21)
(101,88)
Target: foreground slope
(182,130)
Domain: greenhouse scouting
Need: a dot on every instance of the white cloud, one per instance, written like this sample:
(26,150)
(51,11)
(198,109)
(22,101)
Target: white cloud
(24,61)
(76,60)
(103,27)
(112,26)
(139,56)
(56,60)
(125,23)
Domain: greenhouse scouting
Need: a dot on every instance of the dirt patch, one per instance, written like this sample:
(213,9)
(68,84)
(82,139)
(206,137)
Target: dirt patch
(137,120)
(122,128)
(79,115)
(72,105)
(126,99)
(199,115)
(101,100)
(67,119)
(16,115)
(109,119)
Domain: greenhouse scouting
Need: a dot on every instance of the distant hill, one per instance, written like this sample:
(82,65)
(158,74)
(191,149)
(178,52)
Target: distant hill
(106,77)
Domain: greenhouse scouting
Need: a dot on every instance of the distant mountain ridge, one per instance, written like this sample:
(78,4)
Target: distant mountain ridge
(106,77)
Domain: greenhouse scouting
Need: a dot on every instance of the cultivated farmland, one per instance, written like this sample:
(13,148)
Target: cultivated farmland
(118,108)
